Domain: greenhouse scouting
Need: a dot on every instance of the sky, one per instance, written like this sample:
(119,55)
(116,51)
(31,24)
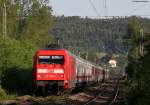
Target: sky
(97,8)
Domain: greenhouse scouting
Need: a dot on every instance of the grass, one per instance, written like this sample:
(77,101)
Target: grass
(4,95)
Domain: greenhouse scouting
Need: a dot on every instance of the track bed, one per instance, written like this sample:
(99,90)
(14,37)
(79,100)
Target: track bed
(102,94)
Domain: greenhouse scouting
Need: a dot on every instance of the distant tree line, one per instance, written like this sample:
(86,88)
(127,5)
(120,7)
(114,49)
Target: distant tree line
(87,37)
(100,32)
(86,34)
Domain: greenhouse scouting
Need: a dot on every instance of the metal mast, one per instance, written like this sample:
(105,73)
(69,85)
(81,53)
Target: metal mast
(4,20)
(105,6)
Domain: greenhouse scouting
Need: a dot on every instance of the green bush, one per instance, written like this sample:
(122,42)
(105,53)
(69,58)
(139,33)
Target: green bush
(16,53)
(16,64)
(140,92)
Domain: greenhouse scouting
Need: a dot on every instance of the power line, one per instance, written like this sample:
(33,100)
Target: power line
(94,8)
(137,8)
(140,1)
(103,17)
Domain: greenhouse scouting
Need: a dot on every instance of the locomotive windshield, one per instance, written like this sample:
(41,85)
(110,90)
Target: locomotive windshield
(53,59)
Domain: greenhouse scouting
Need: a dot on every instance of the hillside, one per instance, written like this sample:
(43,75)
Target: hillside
(90,34)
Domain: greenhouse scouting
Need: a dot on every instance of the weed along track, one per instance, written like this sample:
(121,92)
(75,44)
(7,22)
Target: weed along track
(32,100)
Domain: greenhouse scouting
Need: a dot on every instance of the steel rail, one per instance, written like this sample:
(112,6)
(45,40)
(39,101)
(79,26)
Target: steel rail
(99,94)
(102,92)
(116,94)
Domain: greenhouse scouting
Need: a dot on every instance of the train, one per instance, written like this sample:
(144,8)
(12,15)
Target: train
(57,70)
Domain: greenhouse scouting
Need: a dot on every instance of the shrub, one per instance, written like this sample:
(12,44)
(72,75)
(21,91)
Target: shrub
(16,63)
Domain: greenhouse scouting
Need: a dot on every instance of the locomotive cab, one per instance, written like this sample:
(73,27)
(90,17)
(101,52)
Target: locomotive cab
(50,71)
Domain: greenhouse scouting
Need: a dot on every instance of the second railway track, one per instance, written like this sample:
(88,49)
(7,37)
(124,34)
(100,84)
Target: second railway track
(105,95)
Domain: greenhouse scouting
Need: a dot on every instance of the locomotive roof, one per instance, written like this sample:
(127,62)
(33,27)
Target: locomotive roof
(52,49)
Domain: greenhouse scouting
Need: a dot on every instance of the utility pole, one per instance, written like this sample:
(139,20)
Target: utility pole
(141,45)
(87,55)
(141,42)
(105,8)
(4,20)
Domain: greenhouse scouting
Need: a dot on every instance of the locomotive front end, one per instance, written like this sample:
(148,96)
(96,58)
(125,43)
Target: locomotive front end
(49,72)
(50,67)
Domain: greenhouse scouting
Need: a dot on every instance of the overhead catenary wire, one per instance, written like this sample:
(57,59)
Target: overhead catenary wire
(94,8)
(139,1)
(96,17)
(137,8)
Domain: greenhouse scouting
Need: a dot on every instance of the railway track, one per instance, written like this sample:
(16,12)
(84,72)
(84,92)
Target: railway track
(107,96)
(102,94)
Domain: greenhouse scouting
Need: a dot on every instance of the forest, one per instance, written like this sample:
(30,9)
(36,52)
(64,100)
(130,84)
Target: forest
(83,34)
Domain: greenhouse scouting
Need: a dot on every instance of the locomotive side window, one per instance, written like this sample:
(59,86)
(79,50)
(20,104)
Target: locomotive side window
(53,59)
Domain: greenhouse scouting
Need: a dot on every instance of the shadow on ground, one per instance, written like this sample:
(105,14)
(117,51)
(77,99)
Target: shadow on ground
(17,80)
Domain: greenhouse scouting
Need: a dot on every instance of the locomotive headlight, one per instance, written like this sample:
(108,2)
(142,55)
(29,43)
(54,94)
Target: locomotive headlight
(58,71)
(42,71)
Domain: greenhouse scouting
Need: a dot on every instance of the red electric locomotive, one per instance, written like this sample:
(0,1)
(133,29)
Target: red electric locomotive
(57,70)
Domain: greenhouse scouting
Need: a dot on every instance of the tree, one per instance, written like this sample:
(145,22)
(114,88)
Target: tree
(138,67)
(134,27)
(38,24)
(28,19)
(16,63)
